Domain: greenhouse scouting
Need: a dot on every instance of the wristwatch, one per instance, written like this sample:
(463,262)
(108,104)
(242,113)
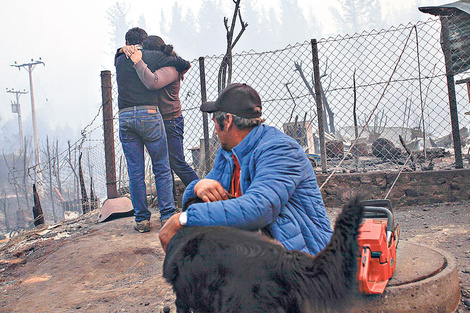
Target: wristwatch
(183,218)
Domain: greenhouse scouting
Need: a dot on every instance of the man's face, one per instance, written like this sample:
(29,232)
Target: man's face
(223,135)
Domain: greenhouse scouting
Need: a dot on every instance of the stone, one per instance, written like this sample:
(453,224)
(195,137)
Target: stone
(467,302)
(411,193)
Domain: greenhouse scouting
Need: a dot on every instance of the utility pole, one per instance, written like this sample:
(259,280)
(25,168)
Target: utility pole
(16,108)
(30,67)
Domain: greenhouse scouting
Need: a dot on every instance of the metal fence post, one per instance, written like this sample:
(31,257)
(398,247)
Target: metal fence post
(454,116)
(318,100)
(107,101)
(205,116)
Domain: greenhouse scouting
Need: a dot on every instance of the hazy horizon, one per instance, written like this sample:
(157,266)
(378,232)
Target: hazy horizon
(73,40)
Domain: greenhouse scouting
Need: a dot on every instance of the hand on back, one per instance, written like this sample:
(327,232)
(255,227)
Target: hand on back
(133,53)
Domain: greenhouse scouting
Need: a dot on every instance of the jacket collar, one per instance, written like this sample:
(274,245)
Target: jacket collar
(246,145)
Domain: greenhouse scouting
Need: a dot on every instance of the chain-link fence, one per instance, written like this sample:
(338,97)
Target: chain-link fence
(57,178)
(384,93)
(385,97)
(387,89)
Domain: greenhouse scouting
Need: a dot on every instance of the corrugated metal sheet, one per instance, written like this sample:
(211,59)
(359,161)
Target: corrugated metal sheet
(450,8)
(458,14)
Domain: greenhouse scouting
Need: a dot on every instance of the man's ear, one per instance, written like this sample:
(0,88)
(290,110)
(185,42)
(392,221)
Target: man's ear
(228,121)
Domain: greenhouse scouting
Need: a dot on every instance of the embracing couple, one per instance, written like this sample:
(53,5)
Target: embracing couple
(148,74)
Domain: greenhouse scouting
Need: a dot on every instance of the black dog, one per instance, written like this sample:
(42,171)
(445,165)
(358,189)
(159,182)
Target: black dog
(222,269)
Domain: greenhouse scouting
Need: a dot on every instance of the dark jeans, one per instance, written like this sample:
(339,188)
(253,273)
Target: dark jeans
(139,128)
(174,133)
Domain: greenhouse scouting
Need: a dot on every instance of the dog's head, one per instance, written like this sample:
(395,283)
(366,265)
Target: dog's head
(191,201)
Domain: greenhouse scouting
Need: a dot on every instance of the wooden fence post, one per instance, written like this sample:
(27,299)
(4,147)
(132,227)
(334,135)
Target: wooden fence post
(107,101)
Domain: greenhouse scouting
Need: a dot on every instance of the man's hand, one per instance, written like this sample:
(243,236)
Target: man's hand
(136,56)
(171,227)
(210,190)
(130,52)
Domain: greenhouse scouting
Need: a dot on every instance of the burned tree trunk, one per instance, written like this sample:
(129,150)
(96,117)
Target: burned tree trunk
(329,127)
(37,209)
(356,130)
(225,70)
(51,194)
(5,210)
(85,203)
(93,198)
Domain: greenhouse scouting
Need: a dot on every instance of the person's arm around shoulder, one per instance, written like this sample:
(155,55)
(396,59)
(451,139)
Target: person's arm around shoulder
(160,59)
(153,81)
(157,80)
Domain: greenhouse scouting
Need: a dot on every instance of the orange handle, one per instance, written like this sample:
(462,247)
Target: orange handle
(363,272)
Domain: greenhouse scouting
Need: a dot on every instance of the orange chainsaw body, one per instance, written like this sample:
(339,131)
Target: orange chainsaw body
(377,241)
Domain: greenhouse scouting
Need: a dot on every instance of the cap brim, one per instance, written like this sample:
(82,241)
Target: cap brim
(208,107)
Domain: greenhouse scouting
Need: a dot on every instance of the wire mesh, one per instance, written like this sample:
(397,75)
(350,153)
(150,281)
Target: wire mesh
(385,95)
(392,82)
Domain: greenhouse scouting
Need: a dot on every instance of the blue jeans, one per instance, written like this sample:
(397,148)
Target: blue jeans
(174,133)
(139,128)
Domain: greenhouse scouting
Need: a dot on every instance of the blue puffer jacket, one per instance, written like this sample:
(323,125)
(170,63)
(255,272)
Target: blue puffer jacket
(279,192)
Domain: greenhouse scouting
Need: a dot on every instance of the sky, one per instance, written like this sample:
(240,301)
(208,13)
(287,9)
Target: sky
(72,38)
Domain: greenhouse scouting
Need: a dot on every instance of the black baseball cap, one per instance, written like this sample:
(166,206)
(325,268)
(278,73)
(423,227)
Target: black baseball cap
(238,99)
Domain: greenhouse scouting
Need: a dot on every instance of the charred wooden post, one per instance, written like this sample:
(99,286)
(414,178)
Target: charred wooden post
(205,116)
(107,101)
(356,130)
(318,98)
(454,117)
(37,209)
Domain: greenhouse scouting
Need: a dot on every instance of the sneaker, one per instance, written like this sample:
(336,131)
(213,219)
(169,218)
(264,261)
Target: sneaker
(142,226)
(163,222)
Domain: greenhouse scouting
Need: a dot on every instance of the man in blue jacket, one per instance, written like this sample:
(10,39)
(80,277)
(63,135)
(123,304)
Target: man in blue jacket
(267,172)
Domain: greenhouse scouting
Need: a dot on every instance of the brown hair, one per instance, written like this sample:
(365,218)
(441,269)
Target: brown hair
(156,43)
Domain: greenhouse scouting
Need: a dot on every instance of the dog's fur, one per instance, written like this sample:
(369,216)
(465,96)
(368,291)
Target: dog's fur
(222,269)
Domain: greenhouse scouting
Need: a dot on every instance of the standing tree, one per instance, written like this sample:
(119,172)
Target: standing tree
(294,24)
(354,16)
(329,128)
(178,31)
(209,28)
(225,70)
(117,17)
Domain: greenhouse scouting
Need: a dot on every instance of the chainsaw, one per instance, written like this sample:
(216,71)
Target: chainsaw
(377,241)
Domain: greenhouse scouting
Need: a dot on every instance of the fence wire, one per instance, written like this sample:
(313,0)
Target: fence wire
(385,91)
(392,82)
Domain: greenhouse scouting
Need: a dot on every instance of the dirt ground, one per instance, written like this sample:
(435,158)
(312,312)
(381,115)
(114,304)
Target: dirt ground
(85,266)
